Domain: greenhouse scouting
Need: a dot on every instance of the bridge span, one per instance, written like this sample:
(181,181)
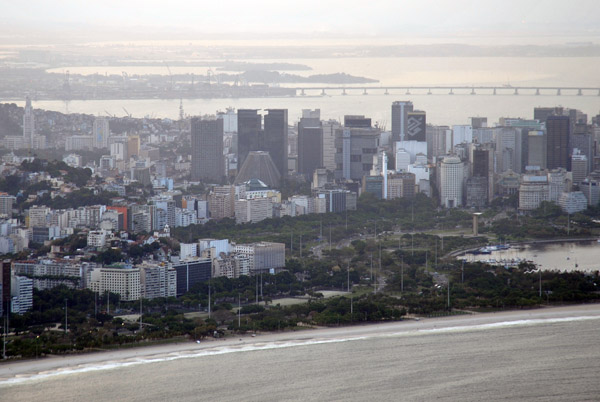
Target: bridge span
(448,90)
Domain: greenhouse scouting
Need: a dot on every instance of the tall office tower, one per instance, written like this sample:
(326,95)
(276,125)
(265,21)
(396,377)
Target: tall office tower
(522,127)
(28,125)
(329,127)
(439,140)
(416,126)
(481,163)
(537,149)
(399,119)
(355,148)
(310,142)
(542,113)
(481,169)
(451,182)
(275,140)
(478,122)
(506,150)
(207,150)
(6,205)
(402,160)
(229,118)
(249,133)
(557,142)
(579,166)
(582,138)
(101,132)
(133,146)
(462,134)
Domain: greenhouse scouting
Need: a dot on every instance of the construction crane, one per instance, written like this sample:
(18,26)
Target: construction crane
(170,76)
(66,83)
(126,112)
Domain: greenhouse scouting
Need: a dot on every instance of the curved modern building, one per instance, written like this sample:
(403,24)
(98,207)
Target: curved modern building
(451,182)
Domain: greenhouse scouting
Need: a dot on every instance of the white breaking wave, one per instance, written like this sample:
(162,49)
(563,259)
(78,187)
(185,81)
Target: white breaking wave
(109,365)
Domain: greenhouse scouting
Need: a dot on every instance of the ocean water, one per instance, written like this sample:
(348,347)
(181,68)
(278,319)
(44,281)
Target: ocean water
(523,358)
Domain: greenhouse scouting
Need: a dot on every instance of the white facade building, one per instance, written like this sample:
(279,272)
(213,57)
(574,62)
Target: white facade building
(123,281)
(402,160)
(253,210)
(532,191)
(263,256)
(462,134)
(101,132)
(451,182)
(97,238)
(188,250)
(573,202)
(158,281)
(21,292)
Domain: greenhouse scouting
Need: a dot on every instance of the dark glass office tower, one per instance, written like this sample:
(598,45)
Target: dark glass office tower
(275,138)
(207,150)
(310,143)
(557,141)
(399,120)
(249,133)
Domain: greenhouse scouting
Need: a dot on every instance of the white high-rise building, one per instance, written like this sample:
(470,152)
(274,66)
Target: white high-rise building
(579,166)
(462,134)
(413,148)
(21,294)
(157,280)
(402,160)
(329,129)
(451,182)
(101,132)
(28,125)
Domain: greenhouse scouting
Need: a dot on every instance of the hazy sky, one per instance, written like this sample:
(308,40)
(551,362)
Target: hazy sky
(389,18)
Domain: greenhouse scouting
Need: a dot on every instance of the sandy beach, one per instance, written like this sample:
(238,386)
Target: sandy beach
(60,364)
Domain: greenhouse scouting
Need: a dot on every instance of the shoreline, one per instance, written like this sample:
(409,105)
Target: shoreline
(23,369)
(462,252)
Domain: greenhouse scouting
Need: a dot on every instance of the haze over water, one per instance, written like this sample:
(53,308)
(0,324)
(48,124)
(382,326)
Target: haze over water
(441,108)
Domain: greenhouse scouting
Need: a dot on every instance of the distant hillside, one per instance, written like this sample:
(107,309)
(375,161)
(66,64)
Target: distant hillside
(274,77)
(10,117)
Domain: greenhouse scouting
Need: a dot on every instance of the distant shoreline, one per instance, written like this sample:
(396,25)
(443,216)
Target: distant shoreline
(139,355)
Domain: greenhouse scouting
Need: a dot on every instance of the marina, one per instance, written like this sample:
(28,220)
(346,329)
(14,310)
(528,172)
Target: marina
(559,256)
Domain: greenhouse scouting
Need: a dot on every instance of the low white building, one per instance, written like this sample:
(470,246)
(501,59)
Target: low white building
(532,191)
(573,202)
(97,238)
(188,250)
(253,210)
(263,256)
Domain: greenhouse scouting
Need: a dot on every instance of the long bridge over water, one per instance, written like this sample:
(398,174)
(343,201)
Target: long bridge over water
(449,90)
